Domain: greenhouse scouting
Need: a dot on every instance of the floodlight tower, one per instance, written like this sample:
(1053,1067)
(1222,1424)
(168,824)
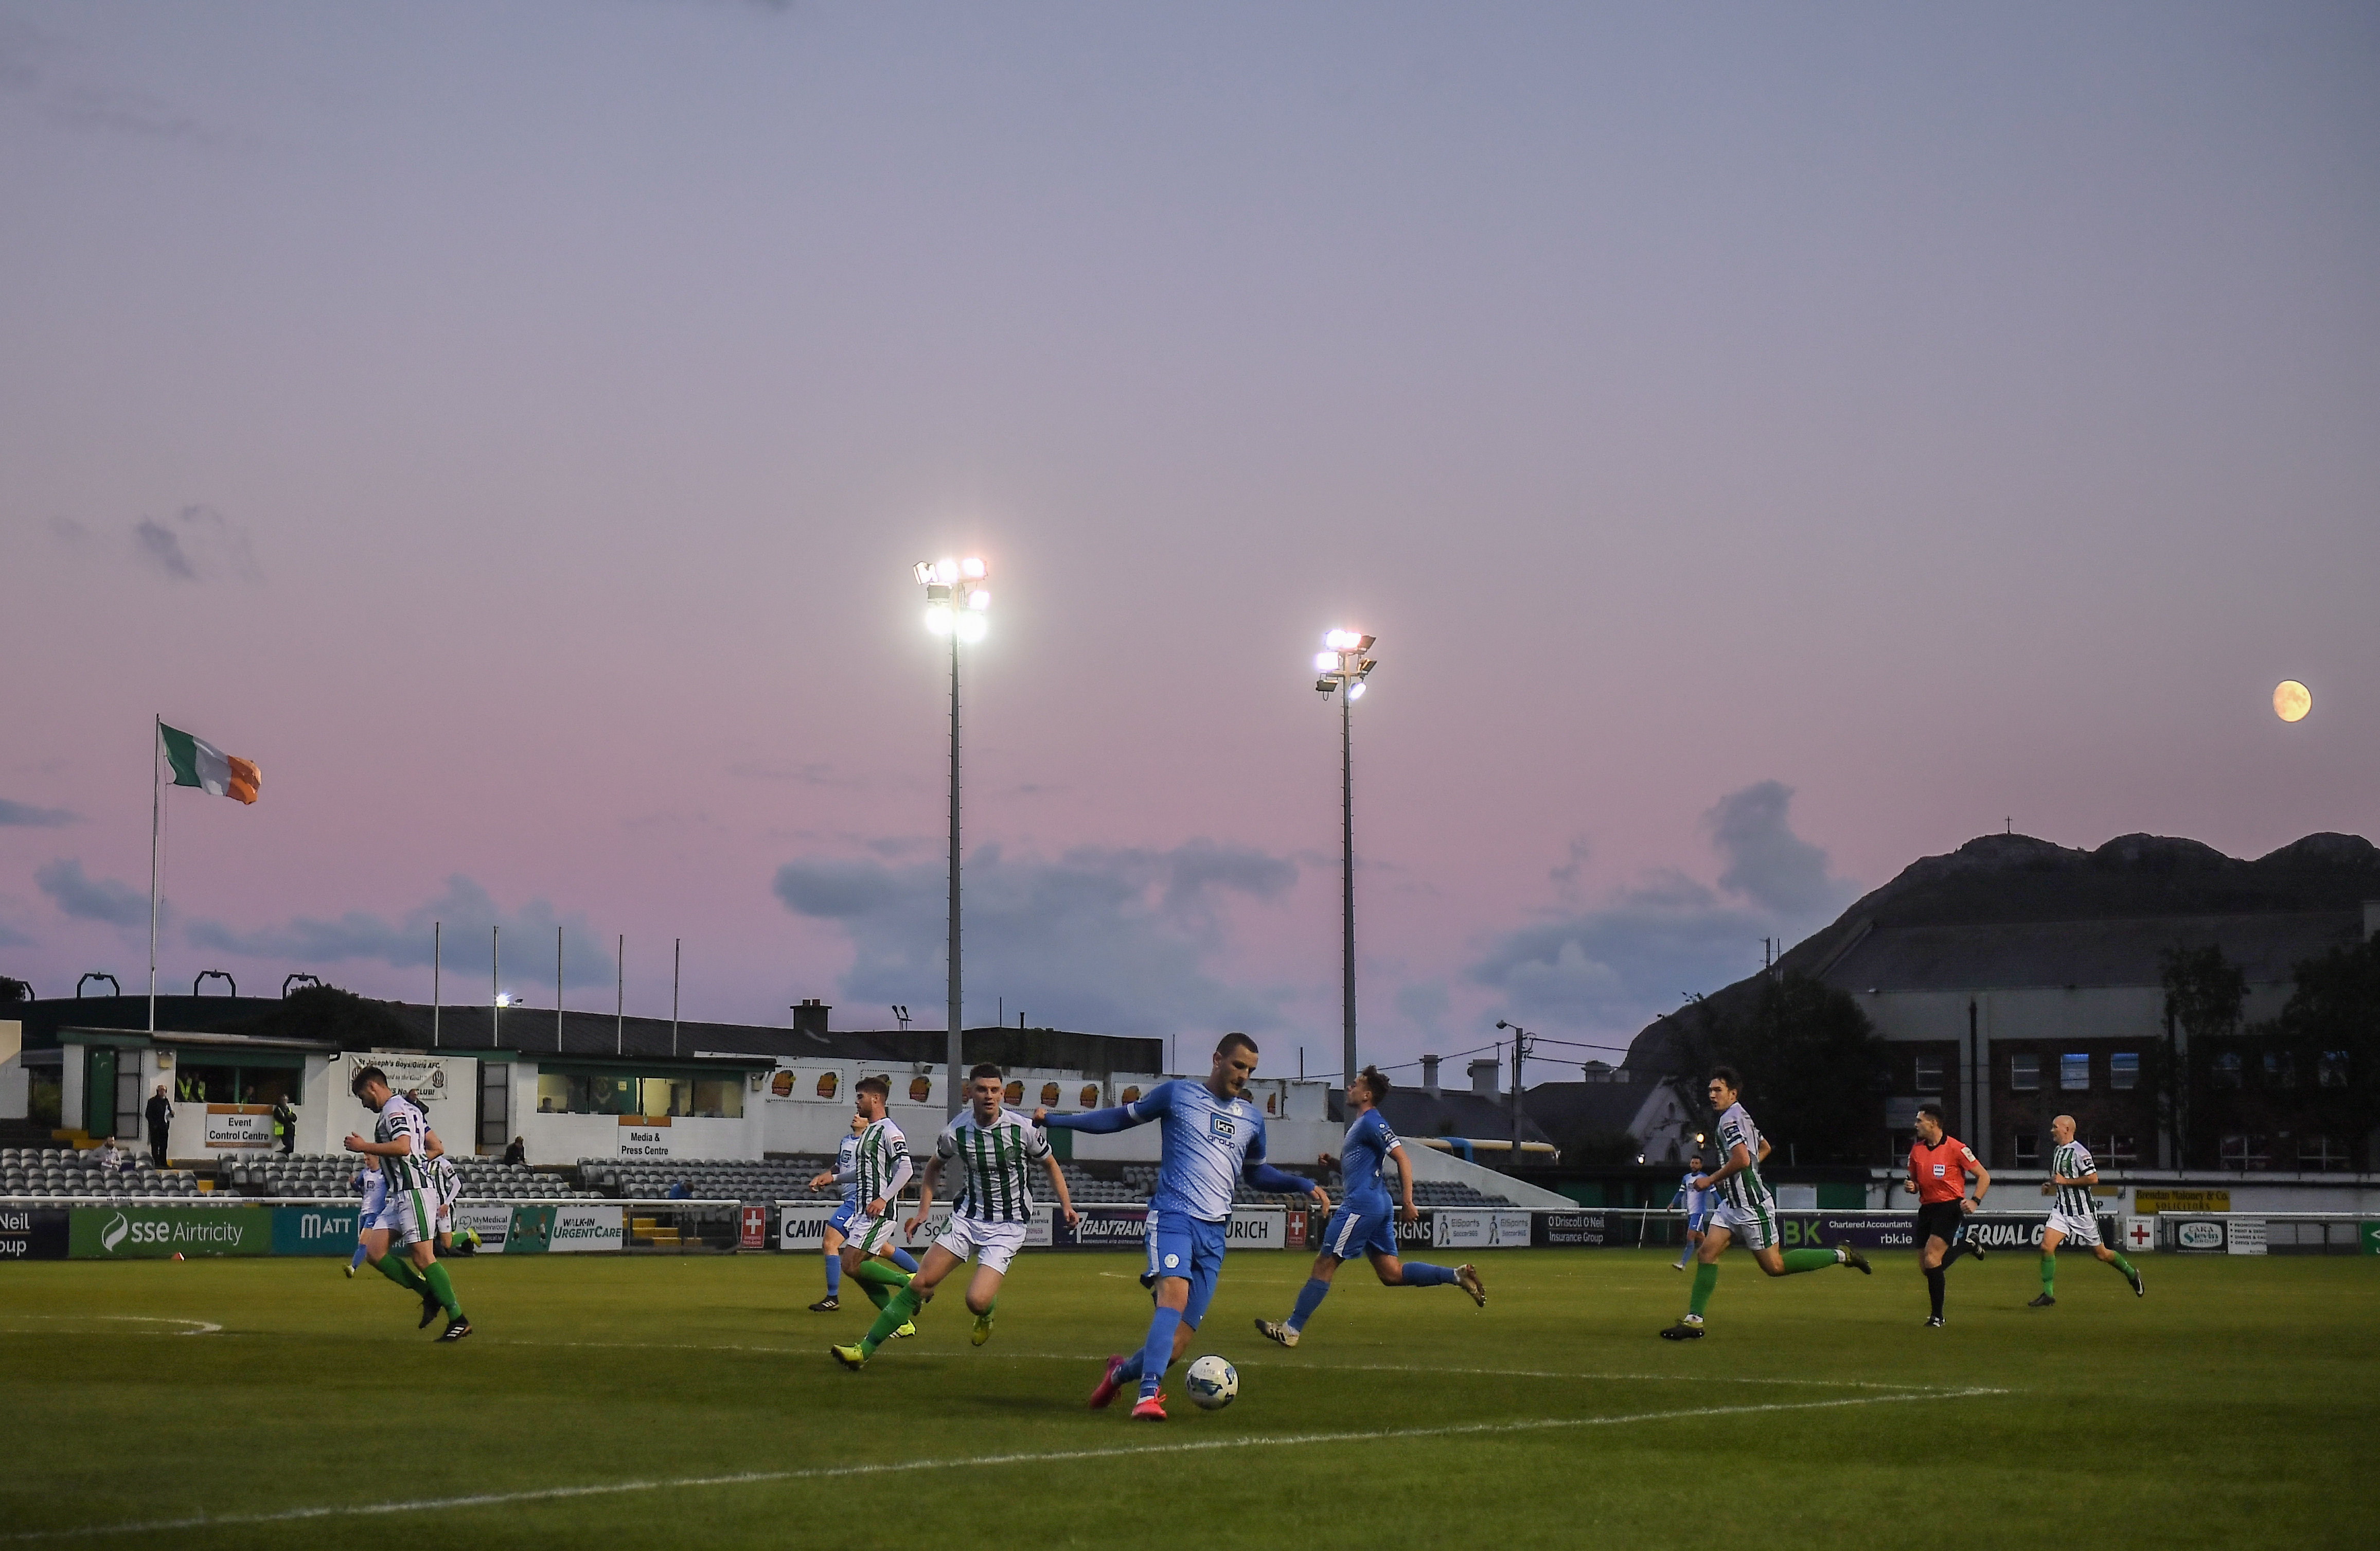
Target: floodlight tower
(956,602)
(1343,665)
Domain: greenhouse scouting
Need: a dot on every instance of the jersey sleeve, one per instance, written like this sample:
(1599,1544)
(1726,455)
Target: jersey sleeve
(1150,1106)
(946,1141)
(2082,1162)
(1035,1143)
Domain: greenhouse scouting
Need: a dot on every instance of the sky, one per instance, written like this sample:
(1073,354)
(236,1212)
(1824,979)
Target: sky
(1769,444)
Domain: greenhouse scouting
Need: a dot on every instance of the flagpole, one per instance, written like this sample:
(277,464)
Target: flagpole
(677,961)
(156,804)
(557,991)
(620,1007)
(437,945)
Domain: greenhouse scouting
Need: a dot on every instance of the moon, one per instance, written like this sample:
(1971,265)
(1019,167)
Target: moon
(2291,701)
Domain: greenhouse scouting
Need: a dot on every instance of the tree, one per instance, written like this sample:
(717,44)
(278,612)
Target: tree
(14,991)
(329,1014)
(2331,1023)
(2203,993)
(1815,1069)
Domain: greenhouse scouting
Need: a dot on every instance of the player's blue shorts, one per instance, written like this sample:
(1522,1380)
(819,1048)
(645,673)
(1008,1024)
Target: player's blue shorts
(840,1221)
(374,1212)
(1699,1218)
(1363,1228)
(1180,1245)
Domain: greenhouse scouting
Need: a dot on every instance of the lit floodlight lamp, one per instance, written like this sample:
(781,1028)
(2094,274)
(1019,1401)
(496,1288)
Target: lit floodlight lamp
(938,618)
(969,626)
(1339,641)
(1326,662)
(946,572)
(1355,690)
(503,999)
(980,598)
(972,568)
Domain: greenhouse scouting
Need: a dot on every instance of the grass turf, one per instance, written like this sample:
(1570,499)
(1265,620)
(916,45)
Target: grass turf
(1816,1412)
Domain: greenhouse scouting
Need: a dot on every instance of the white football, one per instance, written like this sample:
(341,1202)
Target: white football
(1212,1381)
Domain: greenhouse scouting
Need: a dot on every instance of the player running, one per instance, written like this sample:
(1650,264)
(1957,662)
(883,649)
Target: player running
(1696,1204)
(1938,1165)
(879,1166)
(2071,1175)
(1213,1138)
(1745,1210)
(371,1182)
(1361,1224)
(994,1152)
(843,1173)
(400,1140)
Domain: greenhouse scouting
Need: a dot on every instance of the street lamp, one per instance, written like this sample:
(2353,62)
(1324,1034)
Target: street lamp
(956,606)
(1343,665)
(1521,1038)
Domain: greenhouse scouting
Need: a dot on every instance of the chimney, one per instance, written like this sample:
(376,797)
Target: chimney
(2370,919)
(1429,1075)
(1482,1076)
(809,1016)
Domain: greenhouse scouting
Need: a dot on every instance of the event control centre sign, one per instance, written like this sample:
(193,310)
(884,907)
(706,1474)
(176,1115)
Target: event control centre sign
(233,1126)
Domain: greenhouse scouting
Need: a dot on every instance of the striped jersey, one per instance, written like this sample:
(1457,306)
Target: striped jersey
(2072,1161)
(1746,1191)
(399,1117)
(995,1163)
(880,1162)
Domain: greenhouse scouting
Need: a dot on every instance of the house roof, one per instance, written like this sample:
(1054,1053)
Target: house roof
(1411,1112)
(1573,1107)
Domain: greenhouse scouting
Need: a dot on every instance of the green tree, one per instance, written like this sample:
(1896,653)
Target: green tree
(2331,1023)
(1815,1069)
(325,1012)
(2204,993)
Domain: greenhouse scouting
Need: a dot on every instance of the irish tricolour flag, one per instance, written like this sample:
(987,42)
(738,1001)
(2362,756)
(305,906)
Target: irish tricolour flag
(197,763)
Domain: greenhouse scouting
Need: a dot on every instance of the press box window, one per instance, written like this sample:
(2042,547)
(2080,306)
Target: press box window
(2124,1071)
(2025,1073)
(2074,1071)
(1929,1074)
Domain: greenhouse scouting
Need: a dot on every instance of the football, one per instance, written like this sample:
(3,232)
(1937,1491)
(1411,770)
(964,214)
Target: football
(1212,1381)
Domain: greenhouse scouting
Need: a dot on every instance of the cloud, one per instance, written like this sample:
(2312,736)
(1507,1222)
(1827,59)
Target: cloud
(88,898)
(1115,940)
(1614,966)
(197,543)
(466,912)
(24,815)
(11,937)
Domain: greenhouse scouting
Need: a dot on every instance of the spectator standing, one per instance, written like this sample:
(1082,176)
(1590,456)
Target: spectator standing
(161,1116)
(285,1125)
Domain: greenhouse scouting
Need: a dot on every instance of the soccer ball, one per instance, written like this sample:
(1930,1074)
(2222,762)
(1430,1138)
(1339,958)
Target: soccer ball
(1212,1381)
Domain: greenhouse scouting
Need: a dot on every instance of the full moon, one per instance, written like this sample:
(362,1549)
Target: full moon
(2291,701)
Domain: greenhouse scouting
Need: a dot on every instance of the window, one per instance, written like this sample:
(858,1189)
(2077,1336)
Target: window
(2319,1152)
(2226,1069)
(2330,1071)
(2074,1071)
(1929,1074)
(2246,1152)
(2025,1073)
(2124,1070)
(2117,1149)
(196,1083)
(571,1092)
(495,1103)
(2028,1150)
(2280,1068)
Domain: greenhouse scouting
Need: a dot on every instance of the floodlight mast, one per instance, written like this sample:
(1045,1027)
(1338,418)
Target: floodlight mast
(1343,666)
(956,605)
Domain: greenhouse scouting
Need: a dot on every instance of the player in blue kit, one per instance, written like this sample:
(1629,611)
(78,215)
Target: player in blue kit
(1696,1204)
(1362,1225)
(1213,1139)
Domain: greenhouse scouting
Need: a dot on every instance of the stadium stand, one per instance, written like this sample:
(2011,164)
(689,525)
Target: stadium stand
(327,1174)
(787,1179)
(63,1171)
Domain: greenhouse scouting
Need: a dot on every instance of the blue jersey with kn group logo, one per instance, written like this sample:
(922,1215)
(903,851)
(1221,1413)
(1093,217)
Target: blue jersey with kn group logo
(1207,1142)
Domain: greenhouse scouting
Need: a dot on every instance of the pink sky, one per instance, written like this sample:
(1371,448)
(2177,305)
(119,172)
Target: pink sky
(1951,420)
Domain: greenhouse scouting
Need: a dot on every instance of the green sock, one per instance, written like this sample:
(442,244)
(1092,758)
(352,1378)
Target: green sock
(398,1269)
(441,1287)
(1809,1260)
(1705,1278)
(897,1313)
(2121,1263)
(2049,1275)
(880,1280)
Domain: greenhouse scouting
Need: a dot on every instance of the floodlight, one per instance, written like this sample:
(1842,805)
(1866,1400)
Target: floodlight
(503,1000)
(925,572)
(978,597)
(972,568)
(1355,690)
(1339,641)
(938,618)
(946,572)
(970,626)
(1326,662)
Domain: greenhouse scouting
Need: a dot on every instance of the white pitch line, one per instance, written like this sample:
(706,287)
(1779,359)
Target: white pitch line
(198,1327)
(977,1461)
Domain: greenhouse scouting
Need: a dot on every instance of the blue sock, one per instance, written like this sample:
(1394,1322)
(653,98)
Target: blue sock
(1309,1298)
(834,1275)
(902,1258)
(1130,1371)
(1156,1352)
(358,1258)
(1420,1276)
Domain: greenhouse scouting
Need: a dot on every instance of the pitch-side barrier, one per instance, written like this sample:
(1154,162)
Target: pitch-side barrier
(2267,1233)
(102,1227)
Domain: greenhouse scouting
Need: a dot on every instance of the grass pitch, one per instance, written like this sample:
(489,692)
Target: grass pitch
(691,1401)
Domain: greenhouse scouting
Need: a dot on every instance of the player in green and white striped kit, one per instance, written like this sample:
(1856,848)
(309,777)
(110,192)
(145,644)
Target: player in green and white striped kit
(2072,1174)
(1745,1210)
(994,1153)
(400,1140)
(880,1167)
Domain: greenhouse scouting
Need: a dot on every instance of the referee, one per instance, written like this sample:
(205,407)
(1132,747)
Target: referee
(1938,1165)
